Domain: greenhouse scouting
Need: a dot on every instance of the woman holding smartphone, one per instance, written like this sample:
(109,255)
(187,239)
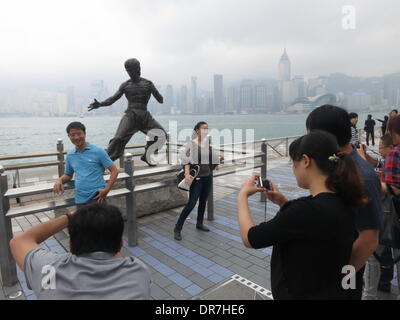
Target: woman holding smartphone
(312,237)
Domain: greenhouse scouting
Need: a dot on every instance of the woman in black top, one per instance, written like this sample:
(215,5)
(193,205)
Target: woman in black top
(312,236)
(198,152)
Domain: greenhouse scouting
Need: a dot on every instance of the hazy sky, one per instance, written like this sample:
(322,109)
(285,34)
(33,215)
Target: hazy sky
(77,41)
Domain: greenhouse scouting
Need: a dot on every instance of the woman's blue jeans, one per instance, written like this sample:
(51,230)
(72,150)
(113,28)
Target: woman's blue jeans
(199,190)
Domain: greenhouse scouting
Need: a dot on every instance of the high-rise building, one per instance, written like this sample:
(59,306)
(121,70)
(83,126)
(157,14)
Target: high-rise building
(193,107)
(71,106)
(284,67)
(246,96)
(219,106)
(260,97)
(169,100)
(392,89)
(284,78)
(182,100)
(300,86)
(232,99)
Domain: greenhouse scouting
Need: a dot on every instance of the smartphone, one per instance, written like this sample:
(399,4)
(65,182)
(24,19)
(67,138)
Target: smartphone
(263,183)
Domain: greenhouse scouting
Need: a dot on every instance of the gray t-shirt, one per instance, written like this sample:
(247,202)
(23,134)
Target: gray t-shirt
(194,154)
(94,276)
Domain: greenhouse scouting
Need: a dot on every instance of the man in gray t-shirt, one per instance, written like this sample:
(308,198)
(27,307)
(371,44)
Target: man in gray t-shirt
(94,269)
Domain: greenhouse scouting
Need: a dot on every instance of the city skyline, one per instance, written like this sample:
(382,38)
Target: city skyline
(244,96)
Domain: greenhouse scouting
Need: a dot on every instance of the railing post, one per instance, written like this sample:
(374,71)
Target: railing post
(210,201)
(168,148)
(287,147)
(131,211)
(121,162)
(7,263)
(264,166)
(60,157)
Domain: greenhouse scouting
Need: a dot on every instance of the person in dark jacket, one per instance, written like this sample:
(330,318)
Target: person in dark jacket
(369,129)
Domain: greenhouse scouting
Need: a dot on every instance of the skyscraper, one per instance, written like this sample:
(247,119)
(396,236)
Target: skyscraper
(286,87)
(183,100)
(284,67)
(246,96)
(71,107)
(260,97)
(232,99)
(219,106)
(194,105)
(169,99)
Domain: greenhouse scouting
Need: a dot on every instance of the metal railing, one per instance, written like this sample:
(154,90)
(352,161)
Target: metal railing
(7,263)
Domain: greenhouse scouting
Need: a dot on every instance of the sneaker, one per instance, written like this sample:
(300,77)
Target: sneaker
(202,227)
(177,233)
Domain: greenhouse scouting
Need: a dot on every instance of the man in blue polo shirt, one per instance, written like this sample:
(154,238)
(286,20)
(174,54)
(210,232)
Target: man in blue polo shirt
(88,162)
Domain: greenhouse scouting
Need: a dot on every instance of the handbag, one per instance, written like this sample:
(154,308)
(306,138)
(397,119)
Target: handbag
(390,233)
(193,171)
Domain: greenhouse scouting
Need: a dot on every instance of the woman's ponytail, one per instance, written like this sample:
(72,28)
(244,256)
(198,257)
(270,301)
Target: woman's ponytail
(342,174)
(346,181)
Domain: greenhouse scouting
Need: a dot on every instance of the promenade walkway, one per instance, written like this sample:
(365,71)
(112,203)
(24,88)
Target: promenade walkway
(204,265)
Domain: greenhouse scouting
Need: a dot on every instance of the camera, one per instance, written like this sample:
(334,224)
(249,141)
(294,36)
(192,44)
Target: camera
(263,183)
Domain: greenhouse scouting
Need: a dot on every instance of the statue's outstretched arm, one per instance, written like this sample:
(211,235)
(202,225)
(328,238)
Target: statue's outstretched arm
(156,94)
(96,104)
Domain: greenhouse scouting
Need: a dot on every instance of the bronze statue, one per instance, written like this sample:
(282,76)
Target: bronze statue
(136,118)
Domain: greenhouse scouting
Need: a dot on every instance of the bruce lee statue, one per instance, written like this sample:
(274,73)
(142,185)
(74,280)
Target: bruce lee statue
(136,118)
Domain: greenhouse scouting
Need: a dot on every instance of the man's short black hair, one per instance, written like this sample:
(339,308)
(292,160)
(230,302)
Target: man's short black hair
(387,140)
(395,111)
(96,227)
(76,125)
(353,115)
(332,119)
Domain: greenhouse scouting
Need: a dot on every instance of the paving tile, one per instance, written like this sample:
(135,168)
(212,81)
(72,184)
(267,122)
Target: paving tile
(183,270)
(216,278)
(158,293)
(161,280)
(163,269)
(180,280)
(202,270)
(185,261)
(201,281)
(221,270)
(258,270)
(194,289)
(149,260)
(222,261)
(177,292)
(241,262)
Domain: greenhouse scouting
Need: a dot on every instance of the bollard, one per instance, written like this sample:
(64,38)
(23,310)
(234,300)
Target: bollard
(264,166)
(60,157)
(121,162)
(168,148)
(131,211)
(210,201)
(287,147)
(7,263)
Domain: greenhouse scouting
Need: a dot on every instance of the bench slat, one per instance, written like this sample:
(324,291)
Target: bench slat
(152,186)
(55,204)
(48,187)
(154,171)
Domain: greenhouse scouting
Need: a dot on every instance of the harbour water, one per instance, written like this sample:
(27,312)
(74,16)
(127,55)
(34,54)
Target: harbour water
(29,135)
